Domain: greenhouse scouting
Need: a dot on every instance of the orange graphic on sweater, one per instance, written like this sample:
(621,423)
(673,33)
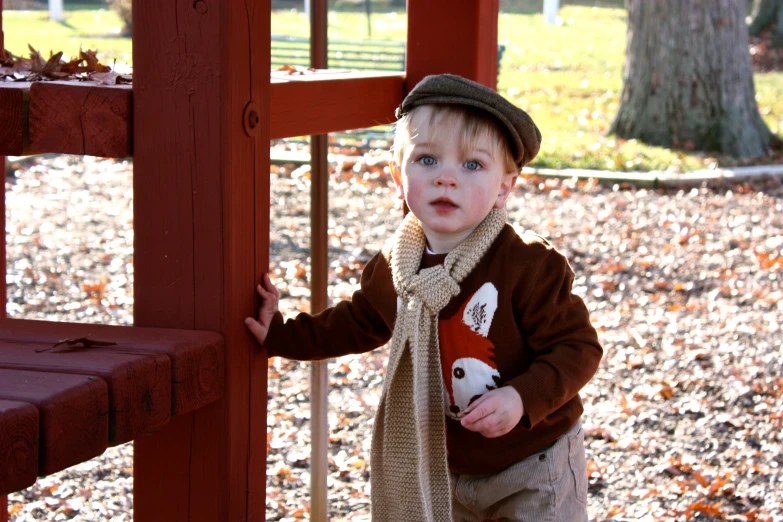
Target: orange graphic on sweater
(467,355)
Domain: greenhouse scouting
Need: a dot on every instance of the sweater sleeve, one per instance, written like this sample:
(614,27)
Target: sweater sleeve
(556,324)
(353,326)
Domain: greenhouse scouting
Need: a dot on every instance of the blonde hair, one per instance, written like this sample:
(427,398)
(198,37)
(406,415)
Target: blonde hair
(475,124)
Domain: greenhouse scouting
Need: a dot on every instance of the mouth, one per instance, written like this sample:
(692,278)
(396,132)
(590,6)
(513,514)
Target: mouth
(443,204)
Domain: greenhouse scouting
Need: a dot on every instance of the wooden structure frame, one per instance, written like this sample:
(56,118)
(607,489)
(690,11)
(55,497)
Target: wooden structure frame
(198,121)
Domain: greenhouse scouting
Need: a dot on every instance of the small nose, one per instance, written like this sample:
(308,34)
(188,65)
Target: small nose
(446,178)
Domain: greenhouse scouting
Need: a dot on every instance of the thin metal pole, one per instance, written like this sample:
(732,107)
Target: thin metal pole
(319,255)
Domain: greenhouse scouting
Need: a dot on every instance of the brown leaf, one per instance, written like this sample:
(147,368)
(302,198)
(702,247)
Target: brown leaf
(105,78)
(93,64)
(36,62)
(73,67)
(6,58)
(707,509)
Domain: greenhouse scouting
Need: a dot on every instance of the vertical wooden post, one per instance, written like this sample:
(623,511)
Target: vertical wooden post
(201,223)
(2,224)
(319,276)
(3,499)
(452,36)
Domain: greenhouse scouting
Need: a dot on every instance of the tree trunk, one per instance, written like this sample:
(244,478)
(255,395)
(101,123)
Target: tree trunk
(688,80)
(765,14)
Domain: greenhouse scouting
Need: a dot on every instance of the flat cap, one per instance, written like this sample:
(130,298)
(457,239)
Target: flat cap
(450,89)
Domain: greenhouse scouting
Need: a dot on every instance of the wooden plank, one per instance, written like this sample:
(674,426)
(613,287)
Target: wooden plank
(85,118)
(328,102)
(18,446)
(445,36)
(139,385)
(74,414)
(80,118)
(196,357)
(201,157)
(14,98)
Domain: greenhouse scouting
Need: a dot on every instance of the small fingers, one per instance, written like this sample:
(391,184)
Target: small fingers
(499,429)
(272,289)
(477,410)
(258,331)
(479,419)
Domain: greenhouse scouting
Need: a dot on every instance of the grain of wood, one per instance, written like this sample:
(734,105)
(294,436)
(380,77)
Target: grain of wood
(19,426)
(74,118)
(74,413)
(14,105)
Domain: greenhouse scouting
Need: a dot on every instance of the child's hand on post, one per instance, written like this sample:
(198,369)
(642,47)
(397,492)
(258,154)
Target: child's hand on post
(270,296)
(495,413)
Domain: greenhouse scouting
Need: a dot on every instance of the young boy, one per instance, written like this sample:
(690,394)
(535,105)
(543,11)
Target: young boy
(480,413)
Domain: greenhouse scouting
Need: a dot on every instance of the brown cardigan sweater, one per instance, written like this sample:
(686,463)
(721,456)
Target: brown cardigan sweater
(516,313)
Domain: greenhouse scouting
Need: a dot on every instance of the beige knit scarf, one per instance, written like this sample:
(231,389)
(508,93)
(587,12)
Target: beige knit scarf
(409,469)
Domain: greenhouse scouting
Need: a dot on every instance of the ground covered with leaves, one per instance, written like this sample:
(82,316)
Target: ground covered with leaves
(683,419)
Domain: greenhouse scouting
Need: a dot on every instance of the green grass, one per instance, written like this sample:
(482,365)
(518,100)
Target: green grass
(568,77)
(96,29)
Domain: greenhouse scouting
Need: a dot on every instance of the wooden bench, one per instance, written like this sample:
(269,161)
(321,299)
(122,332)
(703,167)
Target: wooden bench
(62,403)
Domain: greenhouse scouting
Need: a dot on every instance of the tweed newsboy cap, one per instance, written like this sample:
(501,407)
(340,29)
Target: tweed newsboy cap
(450,89)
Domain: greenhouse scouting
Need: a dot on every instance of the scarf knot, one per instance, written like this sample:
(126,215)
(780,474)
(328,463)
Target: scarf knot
(435,287)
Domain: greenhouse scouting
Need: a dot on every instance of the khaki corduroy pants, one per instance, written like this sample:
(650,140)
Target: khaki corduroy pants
(548,486)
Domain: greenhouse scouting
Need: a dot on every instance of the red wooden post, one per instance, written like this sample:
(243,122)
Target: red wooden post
(452,36)
(3,500)
(201,204)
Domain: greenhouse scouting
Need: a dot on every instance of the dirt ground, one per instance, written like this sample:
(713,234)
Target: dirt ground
(683,418)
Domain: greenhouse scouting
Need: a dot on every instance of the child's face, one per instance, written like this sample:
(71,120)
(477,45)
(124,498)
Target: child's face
(450,190)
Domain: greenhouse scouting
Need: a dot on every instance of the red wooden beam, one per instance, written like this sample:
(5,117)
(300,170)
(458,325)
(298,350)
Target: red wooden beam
(85,118)
(14,98)
(328,101)
(448,36)
(139,385)
(196,358)
(80,118)
(135,376)
(201,196)
(74,415)
(18,446)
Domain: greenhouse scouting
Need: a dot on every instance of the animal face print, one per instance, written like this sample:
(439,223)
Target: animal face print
(467,355)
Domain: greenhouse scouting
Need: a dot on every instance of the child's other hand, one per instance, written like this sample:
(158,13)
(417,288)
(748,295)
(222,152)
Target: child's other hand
(270,296)
(495,413)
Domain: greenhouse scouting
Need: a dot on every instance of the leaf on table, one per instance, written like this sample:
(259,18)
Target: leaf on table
(108,78)
(35,68)
(93,64)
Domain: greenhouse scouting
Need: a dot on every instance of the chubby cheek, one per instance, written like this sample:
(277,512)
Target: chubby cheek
(483,198)
(413,191)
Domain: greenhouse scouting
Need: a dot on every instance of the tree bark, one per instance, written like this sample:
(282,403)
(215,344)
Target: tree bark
(765,14)
(688,80)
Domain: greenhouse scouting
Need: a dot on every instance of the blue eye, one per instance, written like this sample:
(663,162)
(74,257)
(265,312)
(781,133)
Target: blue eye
(427,160)
(472,165)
